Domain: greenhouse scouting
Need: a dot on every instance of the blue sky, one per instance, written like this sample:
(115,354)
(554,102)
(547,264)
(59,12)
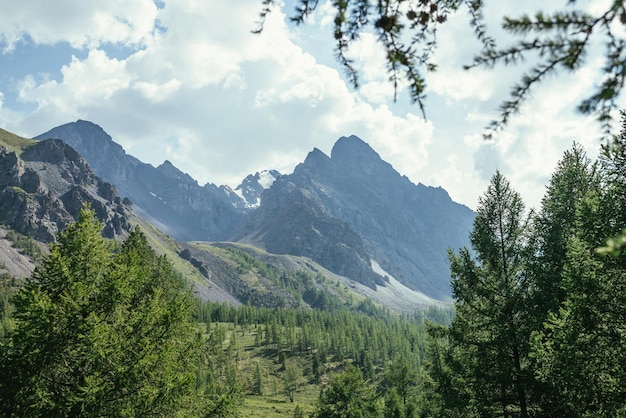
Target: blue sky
(186,81)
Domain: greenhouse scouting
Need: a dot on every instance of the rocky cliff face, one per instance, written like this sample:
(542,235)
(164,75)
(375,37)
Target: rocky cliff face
(352,207)
(165,196)
(291,220)
(44,189)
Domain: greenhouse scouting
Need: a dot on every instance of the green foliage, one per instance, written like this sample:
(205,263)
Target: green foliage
(298,413)
(407,33)
(540,319)
(579,350)
(13,142)
(488,331)
(257,383)
(614,246)
(301,286)
(292,379)
(308,346)
(348,395)
(554,225)
(101,333)
(442,315)
(275,286)
(7,290)
(538,326)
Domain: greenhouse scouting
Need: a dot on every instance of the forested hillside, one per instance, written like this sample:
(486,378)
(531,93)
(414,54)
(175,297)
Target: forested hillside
(105,329)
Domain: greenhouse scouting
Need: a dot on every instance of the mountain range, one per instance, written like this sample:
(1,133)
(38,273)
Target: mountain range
(165,196)
(351,213)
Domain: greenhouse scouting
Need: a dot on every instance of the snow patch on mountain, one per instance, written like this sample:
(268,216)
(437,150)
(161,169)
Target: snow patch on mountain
(395,295)
(252,187)
(266,178)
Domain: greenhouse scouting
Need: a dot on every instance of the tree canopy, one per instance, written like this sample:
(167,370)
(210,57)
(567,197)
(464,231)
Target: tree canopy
(545,43)
(540,304)
(100,332)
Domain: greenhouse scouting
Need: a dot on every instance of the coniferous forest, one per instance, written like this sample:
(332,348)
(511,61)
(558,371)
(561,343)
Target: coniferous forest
(537,328)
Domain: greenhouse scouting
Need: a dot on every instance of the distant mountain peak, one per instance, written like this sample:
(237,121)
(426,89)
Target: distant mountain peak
(82,122)
(253,185)
(84,126)
(163,195)
(355,204)
(172,172)
(316,155)
(353,148)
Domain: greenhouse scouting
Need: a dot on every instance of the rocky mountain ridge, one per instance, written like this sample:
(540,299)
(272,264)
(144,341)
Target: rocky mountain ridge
(44,185)
(351,209)
(164,195)
(349,212)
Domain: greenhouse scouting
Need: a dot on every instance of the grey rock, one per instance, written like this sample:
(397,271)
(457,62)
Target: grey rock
(43,190)
(165,196)
(352,207)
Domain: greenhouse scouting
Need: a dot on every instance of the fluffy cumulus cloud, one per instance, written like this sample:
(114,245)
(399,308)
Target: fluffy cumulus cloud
(186,80)
(86,82)
(84,23)
(205,92)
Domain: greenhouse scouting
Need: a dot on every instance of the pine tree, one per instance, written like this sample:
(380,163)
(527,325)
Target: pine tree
(348,396)
(579,351)
(555,224)
(292,379)
(488,336)
(553,228)
(98,333)
(257,383)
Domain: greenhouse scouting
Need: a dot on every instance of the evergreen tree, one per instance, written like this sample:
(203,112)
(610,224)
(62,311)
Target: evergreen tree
(555,224)
(400,384)
(98,333)
(257,383)
(348,396)
(292,379)
(488,336)
(579,351)
(393,405)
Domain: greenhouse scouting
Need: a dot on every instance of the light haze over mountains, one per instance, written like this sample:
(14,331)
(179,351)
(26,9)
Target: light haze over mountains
(348,211)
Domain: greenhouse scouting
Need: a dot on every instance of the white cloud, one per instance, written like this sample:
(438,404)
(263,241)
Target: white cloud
(81,23)
(198,88)
(85,83)
(158,92)
(7,116)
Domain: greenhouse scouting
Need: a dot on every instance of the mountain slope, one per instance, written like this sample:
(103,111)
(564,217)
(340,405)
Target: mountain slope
(164,195)
(356,204)
(44,185)
(345,211)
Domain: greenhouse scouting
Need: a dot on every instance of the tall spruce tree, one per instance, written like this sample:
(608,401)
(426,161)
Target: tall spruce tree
(488,337)
(99,333)
(554,225)
(580,353)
